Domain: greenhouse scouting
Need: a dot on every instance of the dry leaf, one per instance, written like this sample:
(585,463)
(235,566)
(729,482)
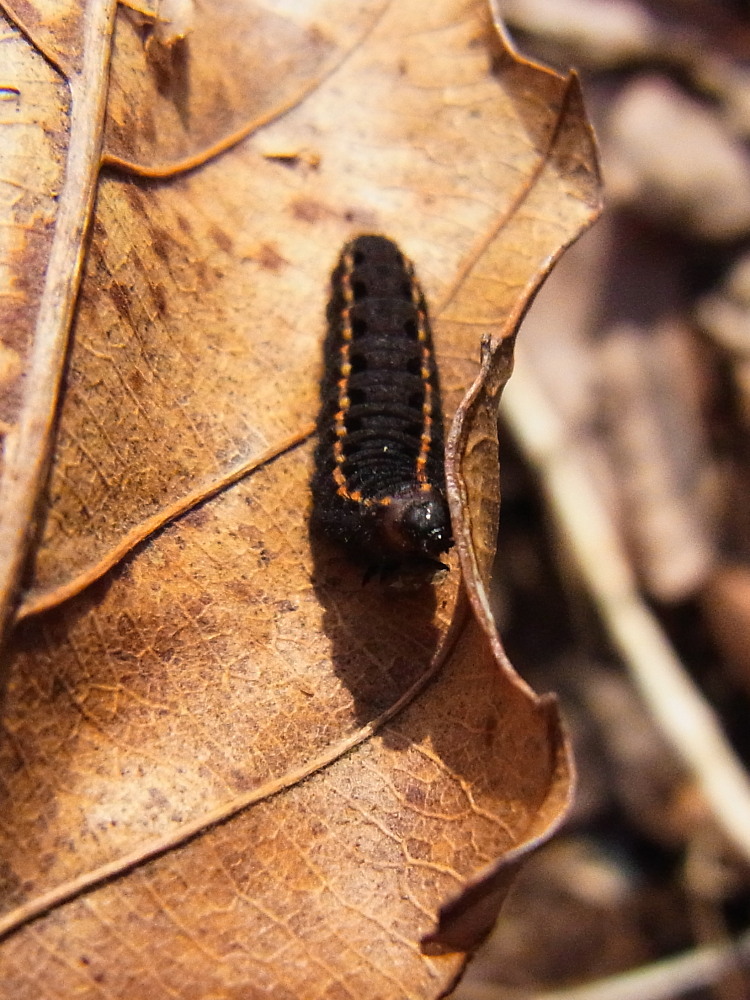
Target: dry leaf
(230,770)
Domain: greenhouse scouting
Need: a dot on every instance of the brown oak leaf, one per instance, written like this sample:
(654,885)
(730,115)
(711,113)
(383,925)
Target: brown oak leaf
(228,769)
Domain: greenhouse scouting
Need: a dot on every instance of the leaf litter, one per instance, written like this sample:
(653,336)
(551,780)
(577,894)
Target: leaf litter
(639,552)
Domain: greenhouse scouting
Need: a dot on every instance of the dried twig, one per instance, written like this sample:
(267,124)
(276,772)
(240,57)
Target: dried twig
(587,529)
(667,979)
(664,980)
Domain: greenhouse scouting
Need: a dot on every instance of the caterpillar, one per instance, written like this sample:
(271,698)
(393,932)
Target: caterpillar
(379,481)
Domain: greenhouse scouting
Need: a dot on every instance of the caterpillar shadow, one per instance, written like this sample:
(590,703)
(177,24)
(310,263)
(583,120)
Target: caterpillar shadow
(383,639)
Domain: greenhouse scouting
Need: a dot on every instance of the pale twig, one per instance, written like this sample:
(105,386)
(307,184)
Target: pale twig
(664,980)
(591,536)
(667,979)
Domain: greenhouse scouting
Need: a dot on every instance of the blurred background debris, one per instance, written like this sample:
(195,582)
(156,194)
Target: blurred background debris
(623,577)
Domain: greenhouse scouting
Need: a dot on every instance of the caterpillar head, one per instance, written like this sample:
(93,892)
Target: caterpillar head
(417,522)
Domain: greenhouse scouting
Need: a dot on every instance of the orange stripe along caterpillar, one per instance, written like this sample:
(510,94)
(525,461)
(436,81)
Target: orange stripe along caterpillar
(379,481)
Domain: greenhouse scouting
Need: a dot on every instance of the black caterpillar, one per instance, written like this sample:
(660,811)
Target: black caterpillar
(379,481)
